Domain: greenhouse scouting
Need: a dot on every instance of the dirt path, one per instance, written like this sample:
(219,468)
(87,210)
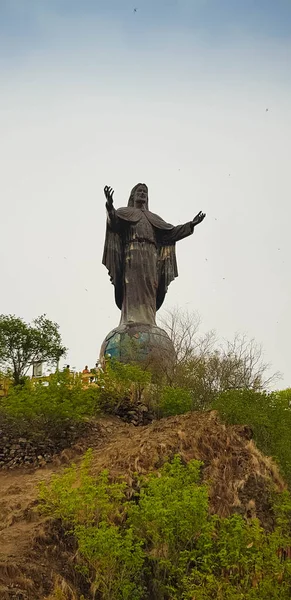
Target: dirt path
(20,522)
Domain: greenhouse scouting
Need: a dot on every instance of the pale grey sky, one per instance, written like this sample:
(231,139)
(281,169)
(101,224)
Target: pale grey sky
(91,102)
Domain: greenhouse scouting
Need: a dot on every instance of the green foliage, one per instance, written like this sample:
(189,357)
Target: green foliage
(173,401)
(117,559)
(60,397)
(80,499)
(22,344)
(268,415)
(171,507)
(40,409)
(50,407)
(128,373)
(164,544)
(121,381)
(94,509)
(244,564)
(169,518)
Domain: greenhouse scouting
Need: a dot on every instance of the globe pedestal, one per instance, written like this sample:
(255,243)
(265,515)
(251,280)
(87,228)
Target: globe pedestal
(146,344)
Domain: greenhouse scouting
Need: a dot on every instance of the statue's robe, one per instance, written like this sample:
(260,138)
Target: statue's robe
(140,256)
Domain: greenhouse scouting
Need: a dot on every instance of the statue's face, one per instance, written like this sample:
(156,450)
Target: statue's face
(140,196)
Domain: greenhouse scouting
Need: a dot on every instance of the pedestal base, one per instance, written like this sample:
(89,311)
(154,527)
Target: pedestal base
(147,344)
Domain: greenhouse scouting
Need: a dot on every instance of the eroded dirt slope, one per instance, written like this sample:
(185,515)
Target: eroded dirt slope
(32,554)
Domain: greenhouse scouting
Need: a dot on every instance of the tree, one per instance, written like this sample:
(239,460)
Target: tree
(22,344)
(182,327)
(208,368)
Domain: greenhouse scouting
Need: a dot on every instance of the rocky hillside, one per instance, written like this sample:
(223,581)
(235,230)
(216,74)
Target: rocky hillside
(35,554)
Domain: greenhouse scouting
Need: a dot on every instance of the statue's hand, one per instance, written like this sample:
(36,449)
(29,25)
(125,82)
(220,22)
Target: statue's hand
(199,218)
(108,191)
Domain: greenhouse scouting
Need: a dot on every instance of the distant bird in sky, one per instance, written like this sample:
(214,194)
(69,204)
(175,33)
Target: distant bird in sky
(135,10)
(267,109)
(86,290)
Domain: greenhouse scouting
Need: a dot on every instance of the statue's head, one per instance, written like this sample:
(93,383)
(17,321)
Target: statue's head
(139,196)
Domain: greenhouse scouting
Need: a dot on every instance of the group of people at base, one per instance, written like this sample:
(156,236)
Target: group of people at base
(92,373)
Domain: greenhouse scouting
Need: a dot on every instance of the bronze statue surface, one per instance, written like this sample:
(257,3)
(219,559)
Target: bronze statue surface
(140,256)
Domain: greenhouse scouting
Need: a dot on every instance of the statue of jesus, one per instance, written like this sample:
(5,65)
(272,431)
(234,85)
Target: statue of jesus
(140,256)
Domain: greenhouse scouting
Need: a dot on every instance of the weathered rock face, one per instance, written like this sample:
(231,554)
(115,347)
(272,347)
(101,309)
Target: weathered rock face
(137,413)
(31,450)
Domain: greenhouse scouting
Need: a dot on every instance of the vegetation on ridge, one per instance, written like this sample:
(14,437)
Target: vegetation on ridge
(163,544)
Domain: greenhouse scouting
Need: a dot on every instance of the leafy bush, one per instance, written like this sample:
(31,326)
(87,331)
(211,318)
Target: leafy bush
(80,499)
(120,382)
(48,408)
(173,401)
(163,544)
(268,415)
(59,397)
(58,409)
(117,559)
(93,508)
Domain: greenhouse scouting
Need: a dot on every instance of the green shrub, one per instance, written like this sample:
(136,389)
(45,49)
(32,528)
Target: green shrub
(93,508)
(58,398)
(119,382)
(173,401)
(54,410)
(268,415)
(163,544)
(61,405)
(80,499)
(117,559)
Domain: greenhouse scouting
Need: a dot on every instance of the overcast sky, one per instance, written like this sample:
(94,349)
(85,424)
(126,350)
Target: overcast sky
(191,97)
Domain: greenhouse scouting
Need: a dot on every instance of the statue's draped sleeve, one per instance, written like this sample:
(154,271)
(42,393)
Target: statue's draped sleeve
(166,234)
(167,262)
(113,254)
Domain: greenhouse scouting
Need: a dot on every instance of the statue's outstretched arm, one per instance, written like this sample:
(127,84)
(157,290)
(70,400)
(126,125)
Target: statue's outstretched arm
(182,231)
(199,218)
(111,213)
(108,191)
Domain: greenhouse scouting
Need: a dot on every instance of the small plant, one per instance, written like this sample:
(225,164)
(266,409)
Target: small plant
(59,397)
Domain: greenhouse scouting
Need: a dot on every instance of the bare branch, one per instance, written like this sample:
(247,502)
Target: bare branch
(206,367)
